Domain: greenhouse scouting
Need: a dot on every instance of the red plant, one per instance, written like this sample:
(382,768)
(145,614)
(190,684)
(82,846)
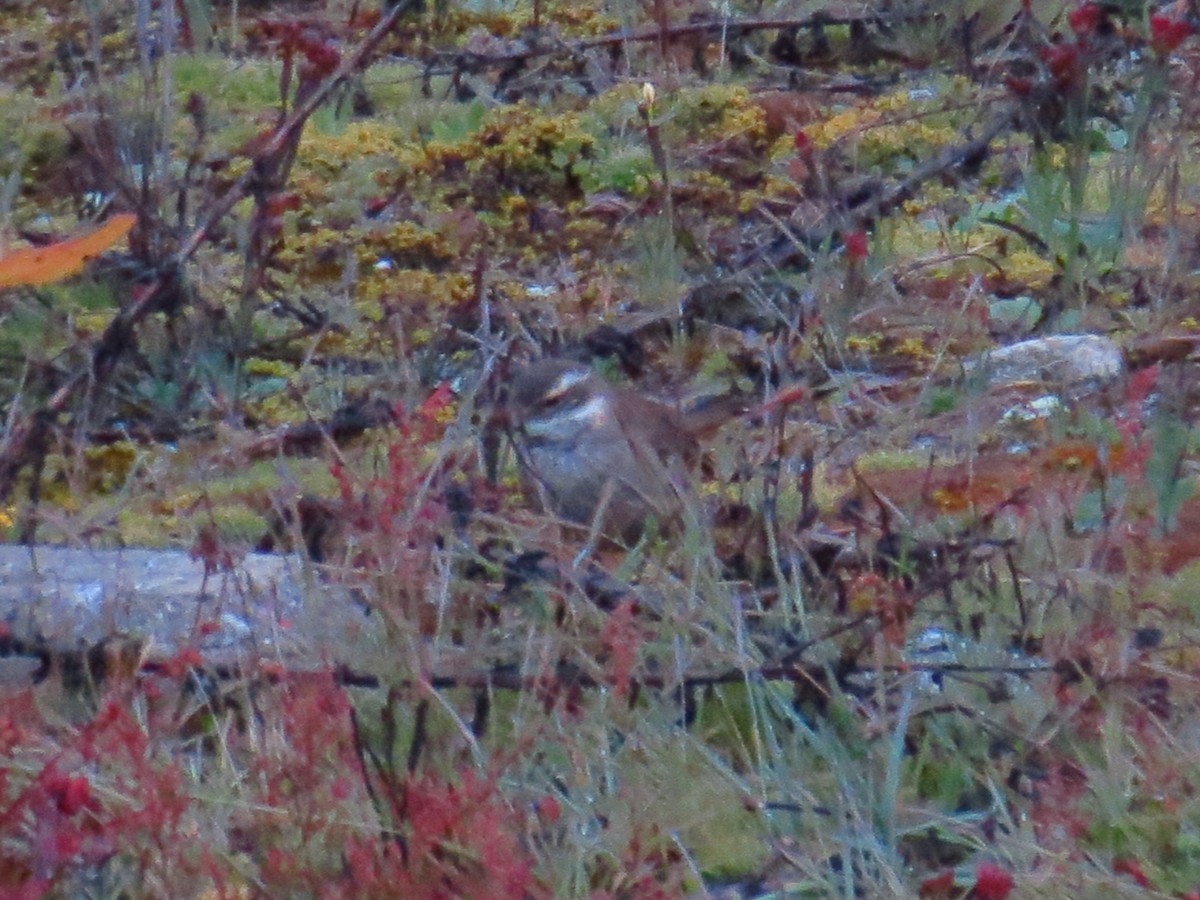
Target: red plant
(1167,33)
(307,40)
(857,246)
(1130,454)
(941,885)
(891,603)
(58,823)
(458,838)
(1057,818)
(1132,868)
(385,498)
(1019,85)
(1065,63)
(991,882)
(305,821)
(1085,19)
(621,638)
(402,510)
(470,815)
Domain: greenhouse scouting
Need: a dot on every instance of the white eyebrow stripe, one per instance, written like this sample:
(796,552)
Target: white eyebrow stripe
(566,381)
(595,410)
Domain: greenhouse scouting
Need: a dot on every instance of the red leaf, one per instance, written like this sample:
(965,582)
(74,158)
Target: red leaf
(322,56)
(622,638)
(1133,869)
(1020,86)
(991,882)
(1064,64)
(1085,19)
(1167,33)
(1139,387)
(440,400)
(937,887)
(786,397)
(548,809)
(857,246)
(73,795)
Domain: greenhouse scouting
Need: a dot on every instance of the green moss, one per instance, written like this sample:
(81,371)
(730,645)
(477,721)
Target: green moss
(29,142)
(721,112)
(671,784)
(227,85)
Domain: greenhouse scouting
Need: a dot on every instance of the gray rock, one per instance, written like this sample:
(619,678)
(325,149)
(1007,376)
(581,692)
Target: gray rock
(1060,359)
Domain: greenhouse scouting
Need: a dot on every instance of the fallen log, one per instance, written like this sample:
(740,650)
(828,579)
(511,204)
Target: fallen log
(58,601)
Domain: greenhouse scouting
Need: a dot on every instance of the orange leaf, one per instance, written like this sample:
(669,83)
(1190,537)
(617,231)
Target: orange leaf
(43,265)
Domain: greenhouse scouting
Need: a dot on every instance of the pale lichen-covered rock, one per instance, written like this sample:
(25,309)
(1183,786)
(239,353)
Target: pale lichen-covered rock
(1060,359)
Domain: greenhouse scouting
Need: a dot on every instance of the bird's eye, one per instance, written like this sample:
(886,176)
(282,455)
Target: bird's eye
(548,401)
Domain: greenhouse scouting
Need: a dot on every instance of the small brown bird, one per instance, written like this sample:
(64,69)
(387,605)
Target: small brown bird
(603,454)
